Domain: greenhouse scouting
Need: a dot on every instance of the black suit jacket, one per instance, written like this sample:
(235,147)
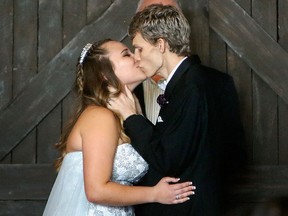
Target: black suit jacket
(139,92)
(198,138)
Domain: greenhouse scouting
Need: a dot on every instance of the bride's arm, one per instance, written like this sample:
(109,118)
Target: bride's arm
(100,134)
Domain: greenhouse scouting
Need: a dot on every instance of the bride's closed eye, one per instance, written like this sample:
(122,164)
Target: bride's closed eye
(127,55)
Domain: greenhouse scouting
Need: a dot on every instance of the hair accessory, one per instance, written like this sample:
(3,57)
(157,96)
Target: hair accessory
(84,52)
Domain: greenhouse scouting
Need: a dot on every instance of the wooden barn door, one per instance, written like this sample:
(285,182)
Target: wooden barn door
(40,42)
(253,43)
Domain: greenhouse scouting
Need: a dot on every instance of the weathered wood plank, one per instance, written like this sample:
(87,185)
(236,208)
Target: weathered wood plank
(265,148)
(56,79)
(26,182)
(265,100)
(282,24)
(259,183)
(73,10)
(50,26)
(25,44)
(25,58)
(264,13)
(241,74)
(95,8)
(68,107)
(50,30)
(283,135)
(34,182)
(7,159)
(218,52)
(49,131)
(283,107)
(23,208)
(25,151)
(245,4)
(78,10)
(196,13)
(6,47)
(233,24)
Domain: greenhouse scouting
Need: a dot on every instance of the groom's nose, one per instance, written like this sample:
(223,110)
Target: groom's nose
(137,55)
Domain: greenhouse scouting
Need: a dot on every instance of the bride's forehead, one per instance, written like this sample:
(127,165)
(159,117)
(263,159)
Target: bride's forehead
(113,45)
(116,48)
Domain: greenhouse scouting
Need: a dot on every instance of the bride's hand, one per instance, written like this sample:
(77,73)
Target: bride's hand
(175,193)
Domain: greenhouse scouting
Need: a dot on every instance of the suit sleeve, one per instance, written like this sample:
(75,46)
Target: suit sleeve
(171,146)
(232,137)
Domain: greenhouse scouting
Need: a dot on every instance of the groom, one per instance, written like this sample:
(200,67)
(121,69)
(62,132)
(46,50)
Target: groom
(198,133)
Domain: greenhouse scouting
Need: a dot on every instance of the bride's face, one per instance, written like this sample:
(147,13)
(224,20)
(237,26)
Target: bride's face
(124,64)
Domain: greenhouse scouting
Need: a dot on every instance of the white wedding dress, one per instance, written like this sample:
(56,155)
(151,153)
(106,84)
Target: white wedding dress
(68,198)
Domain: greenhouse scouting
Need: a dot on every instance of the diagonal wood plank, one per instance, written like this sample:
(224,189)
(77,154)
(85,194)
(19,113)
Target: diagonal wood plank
(26,181)
(263,54)
(55,80)
(257,183)
(34,182)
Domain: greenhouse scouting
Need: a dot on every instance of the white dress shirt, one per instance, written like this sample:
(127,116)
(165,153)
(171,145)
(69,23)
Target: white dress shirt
(152,91)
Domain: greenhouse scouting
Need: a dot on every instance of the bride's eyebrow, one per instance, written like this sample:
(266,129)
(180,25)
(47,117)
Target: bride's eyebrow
(125,50)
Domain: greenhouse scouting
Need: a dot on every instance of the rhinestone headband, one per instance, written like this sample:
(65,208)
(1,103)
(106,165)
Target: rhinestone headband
(84,52)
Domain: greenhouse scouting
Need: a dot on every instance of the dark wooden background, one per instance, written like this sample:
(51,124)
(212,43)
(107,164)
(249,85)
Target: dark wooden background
(40,41)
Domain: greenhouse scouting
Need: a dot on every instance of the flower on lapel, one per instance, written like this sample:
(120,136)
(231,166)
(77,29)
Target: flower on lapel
(161,100)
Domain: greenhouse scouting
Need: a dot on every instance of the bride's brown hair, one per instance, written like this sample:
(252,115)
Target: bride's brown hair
(94,74)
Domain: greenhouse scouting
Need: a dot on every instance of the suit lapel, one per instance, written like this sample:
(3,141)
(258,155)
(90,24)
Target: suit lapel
(184,66)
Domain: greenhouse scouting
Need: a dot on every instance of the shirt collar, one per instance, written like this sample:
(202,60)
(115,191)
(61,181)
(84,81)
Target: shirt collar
(174,70)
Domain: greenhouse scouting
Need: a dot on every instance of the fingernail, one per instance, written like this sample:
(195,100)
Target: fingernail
(192,192)
(188,198)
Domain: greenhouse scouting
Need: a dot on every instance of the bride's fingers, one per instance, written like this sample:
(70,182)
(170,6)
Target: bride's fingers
(183,194)
(189,189)
(184,186)
(183,197)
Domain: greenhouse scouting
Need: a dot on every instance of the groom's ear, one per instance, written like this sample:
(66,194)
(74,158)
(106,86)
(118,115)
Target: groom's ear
(162,45)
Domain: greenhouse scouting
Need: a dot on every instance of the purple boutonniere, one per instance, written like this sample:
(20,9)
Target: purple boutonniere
(161,100)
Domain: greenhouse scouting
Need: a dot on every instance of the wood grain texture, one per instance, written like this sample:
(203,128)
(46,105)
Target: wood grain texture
(26,182)
(6,50)
(234,25)
(242,76)
(283,107)
(196,12)
(50,30)
(25,43)
(264,98)
(23,208)
(56,79)
(260,183)
(41,40)
(48,134)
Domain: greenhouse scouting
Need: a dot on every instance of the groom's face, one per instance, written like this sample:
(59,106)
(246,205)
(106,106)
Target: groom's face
(147,56)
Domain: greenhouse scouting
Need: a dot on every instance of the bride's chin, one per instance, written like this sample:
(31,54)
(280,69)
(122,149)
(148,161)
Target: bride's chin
(131,87)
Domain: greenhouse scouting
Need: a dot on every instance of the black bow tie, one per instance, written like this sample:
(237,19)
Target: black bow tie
(161,100)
